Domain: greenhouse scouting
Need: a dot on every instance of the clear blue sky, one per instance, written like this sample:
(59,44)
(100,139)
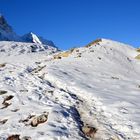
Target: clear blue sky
(72,23)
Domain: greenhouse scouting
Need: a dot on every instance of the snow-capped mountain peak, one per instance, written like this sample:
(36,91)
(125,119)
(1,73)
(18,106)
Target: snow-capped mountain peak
(35,38)
(34,43)
(31,37)
(7,34)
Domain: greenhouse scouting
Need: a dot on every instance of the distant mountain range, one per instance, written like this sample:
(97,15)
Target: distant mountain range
(7,34)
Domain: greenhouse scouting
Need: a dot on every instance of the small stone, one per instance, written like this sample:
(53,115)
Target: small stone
(89,131)
(39,119)
(26,138)
(13,137)
(2,65)
(7,98)
(2,92)
(34,122)
(15,110)
(50,91)
(3,121)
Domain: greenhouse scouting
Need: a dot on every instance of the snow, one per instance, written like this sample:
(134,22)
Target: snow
(12,48)
(100,88)
(35,38)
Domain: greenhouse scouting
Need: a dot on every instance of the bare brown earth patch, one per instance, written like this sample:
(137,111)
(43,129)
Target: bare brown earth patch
(95,42)
(2,65)
(89,131)
(35,120)
(14,137)
(5,102)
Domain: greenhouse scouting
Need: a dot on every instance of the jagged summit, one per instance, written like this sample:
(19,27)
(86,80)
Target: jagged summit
(4,25)
(33,38)
(7,34)
(6,31)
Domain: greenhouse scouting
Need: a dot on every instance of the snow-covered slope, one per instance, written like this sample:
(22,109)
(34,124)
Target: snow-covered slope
(85,93)
(17,48)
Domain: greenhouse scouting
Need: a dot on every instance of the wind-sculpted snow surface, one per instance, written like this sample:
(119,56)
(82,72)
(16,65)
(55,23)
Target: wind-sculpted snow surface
(90,93)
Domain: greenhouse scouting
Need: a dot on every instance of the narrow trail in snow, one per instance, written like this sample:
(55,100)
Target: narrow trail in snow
(35,94)
(29,97)
(89,116)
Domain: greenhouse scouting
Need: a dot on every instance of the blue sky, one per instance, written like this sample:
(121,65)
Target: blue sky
(73,23)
